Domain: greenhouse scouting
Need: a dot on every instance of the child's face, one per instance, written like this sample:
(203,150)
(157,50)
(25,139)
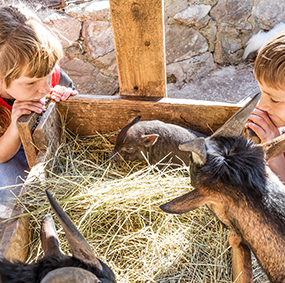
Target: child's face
(25,88)
(273,102)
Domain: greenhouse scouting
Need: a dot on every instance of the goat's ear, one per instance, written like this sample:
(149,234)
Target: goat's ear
(49,237)
(234,126)
(79,247)
(198,149)
(185,203)
(135,120)
(149,140)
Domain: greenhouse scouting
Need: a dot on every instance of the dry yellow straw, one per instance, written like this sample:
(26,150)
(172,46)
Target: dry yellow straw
(116,208)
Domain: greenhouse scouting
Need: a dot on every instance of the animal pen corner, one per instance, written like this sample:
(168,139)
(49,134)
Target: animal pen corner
(138,28)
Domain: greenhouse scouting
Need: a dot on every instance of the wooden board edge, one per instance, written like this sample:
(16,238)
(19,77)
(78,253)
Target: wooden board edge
(15,240)
(88,114)
(241,264)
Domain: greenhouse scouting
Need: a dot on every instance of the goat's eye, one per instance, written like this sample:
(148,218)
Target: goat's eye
(129,149)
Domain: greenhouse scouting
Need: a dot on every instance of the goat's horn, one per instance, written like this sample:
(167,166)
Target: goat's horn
(274,147)
(79,247)
(49,237)
(234,126)
(70,275)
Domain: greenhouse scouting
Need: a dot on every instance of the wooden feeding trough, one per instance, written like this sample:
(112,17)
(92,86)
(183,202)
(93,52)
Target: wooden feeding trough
(138,28)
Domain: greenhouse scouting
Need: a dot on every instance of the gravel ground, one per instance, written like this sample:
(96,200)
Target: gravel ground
(228,84)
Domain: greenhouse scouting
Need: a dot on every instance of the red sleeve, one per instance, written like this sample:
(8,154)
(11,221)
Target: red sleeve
(2,102)
(55,75)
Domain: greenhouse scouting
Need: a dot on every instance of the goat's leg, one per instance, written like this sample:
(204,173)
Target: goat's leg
(241,260)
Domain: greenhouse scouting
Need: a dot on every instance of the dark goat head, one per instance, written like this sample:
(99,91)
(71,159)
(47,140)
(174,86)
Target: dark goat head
(199,149)
(230,176)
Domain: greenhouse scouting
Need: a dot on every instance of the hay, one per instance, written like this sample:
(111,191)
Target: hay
(116,208)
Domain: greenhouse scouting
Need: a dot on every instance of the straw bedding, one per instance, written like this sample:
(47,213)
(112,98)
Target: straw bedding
(116,208)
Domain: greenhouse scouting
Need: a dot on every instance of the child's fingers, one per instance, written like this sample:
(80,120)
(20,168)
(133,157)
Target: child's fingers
(62,93)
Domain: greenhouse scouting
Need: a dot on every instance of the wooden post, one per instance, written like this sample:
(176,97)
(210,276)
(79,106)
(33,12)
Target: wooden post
(48,133)
(14,234)
(26,124)
(241,264)
(138,30)
(39,132)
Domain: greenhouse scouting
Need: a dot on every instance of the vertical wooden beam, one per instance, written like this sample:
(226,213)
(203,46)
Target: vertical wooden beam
(39,132)
(26,124)
(48,133)
(241,264)
(138,28)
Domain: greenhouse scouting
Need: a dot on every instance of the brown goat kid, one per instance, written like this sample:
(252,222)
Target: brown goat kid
(155,139)
(231,177)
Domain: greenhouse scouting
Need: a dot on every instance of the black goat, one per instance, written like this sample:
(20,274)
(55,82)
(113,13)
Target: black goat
(231,177)
(56,267)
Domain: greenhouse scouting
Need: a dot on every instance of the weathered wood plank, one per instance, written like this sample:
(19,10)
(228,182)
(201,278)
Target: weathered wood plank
(48,132)
(241,264)
(14,236)
(139,46)
(26,124)
(88,114)
(39,132)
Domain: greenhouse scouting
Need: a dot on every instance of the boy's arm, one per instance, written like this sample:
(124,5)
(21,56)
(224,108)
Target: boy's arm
(9,143)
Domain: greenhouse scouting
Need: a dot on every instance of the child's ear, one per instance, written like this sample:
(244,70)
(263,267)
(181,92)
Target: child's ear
(149,140)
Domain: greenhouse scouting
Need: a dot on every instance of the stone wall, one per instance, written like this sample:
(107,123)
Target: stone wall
(200,36)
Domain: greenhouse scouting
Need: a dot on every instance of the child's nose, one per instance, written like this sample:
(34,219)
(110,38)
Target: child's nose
(264,103)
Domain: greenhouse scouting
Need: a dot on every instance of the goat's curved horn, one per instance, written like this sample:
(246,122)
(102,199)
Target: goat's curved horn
(70,275)
(198,149)
(234,126)
(49,237)
(79,247)
(274,147)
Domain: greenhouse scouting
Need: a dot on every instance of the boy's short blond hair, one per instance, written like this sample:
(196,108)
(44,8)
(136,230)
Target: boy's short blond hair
(25,44)
(269,67)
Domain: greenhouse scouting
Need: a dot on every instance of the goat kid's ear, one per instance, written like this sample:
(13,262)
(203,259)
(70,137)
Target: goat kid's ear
(234,126)
(149,140)
(79,247)
(185,203)
(198,149)
(135,120)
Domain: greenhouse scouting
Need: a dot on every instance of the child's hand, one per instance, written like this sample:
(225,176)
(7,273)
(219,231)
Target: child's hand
(25,107)
(262,125)
(61,93)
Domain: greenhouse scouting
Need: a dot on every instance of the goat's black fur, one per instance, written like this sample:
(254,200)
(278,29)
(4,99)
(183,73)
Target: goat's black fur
(236,164)
(19,272)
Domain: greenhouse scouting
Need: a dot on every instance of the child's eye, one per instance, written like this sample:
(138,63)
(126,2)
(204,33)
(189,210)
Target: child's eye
(31,83)
(273,101)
